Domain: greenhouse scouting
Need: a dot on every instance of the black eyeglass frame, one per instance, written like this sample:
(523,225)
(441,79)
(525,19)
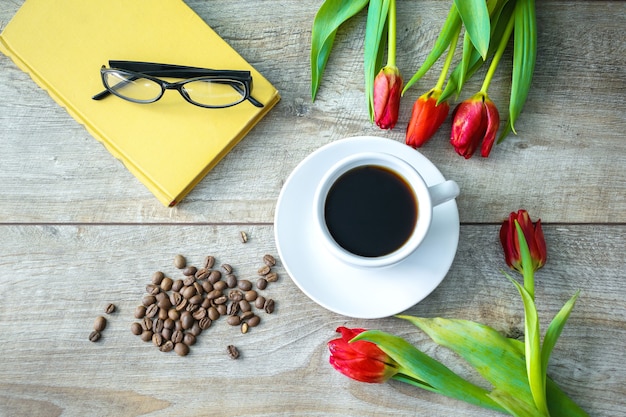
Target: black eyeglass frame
(152,70)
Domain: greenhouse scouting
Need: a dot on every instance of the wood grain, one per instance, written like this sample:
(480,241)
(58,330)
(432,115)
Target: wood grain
(78,231)
(57,279)
(565,165)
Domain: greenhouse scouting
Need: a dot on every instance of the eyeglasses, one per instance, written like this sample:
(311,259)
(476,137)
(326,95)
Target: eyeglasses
(214,89)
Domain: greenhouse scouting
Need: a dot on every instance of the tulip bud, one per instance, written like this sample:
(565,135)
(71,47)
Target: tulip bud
(361,360)
(387,91)
(534,238)
(475,120)
(426,118)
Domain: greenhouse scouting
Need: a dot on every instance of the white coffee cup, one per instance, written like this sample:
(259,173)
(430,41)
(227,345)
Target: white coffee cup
(393,170)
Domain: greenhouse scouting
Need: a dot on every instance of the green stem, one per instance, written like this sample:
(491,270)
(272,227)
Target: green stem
(448,62)
(391,34)
(496,58)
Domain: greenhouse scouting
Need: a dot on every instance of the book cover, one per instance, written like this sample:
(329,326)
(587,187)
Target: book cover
(169,145)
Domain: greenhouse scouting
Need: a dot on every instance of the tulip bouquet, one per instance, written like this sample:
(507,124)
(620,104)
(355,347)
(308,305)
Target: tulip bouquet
(516,370)
(488,24)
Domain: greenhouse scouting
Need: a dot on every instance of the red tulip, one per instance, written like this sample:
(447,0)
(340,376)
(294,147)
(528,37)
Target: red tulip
(360,360)
(426,118)
(387,90)
(533,235)
(475,120)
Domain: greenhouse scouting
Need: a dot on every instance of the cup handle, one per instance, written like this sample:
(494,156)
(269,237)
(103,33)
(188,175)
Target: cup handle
(442,192)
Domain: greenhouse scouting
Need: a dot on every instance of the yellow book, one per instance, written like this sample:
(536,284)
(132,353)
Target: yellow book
(169,145)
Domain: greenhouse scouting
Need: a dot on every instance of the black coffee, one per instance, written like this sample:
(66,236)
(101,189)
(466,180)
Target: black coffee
(370,211)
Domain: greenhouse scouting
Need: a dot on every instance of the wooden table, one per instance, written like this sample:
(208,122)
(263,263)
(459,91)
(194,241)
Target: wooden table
(78,231)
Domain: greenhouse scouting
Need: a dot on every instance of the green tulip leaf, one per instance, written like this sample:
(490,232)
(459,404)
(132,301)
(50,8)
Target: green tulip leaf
(554,330)
(513,404)
(501,13)
(416,365)
(484,348)
(375,29)
(329,17)
(475,17)
(449,31)
(524,57)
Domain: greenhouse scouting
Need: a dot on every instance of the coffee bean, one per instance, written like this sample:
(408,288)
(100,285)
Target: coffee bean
(202,273)
(272,277)
(152,310)
(157,339)
(199,314)
(205,323)
(269,306)
(244,328)
(146,335)
(136,329)
(259,302)
(178,285)
(244,306)
(148,299)
(94,336)
(195,329)
(173,314)
(175,298)
(157,277)
(140,312)
(269,260)
(163,313)
(146,323)
(186,320)
(250,295)
(234,320)
(231,280)
(235,295)
(188,292)
(227,268)
(196,300)
(168,346)
(221,308)
(209,262)
(168,323)
(198,287)
(166,284)
(189,280)
(191,307)
(232,352)
(213,313)
(189,339)
(246,315)
(110,308)
(220,285)
(221,300)
(243,236)
(244,285)
(100,323)
(190,271)
(180,262)
(207,287)
(214,276)
(264,270)
(167,334)
(182,304)
(177,336)
(261,283)
(157,326)
(181,349)
(164,303)
(254,321)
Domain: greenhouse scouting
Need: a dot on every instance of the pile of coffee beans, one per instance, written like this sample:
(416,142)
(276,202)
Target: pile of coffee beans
(174,311)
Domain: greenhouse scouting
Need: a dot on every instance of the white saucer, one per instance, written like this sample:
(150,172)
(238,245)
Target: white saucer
(343,288)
